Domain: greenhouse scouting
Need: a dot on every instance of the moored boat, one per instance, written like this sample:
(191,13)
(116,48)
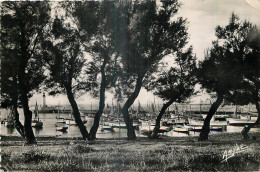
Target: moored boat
(62,128)
(239,122)
(36,123)
(181,129)
(216,128)
(107,128)
(149,129)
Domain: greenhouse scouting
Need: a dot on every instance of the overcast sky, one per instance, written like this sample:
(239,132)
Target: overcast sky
(203,17)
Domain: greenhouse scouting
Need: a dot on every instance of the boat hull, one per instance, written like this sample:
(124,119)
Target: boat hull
(239,122)
(62,128)
(37,124)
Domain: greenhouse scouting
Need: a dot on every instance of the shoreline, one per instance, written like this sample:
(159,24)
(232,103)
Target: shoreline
(216,137)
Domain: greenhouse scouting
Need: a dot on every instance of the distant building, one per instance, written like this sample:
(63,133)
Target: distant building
(44,101)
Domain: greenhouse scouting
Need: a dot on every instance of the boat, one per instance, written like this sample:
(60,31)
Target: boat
(59,119)
(164,129)
(36,123)
(149,129)
(216,128)
(240,122)
(217,121)
(117,125)
(193,128)
(181,129)
(107,128)
(61,127)
(70,121)
(199,128)
(146,132)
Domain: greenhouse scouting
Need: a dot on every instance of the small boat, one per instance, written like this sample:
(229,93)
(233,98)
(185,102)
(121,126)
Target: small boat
(164,129)
(62,128)
(239,122)
(70,121)
(146,132)
(59,119)
(181,130)
(117,124)
(148,129)
(196,128)
(36,123)
(216,128)
(107,128)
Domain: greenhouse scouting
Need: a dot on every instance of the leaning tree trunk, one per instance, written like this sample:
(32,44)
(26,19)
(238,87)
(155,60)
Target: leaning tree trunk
(28,132)
(19,127)
(98,115)
(158,119)
(23,87)
(206,126)
(247,128)
(129,122)
(76,113)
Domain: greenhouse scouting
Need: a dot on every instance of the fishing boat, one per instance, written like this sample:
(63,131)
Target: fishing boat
(181,129)
(36,123)
(61,127)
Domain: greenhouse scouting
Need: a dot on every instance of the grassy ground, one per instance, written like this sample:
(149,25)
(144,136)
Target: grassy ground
(165,154)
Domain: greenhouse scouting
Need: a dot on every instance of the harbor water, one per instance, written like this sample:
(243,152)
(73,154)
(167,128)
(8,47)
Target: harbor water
(49,129)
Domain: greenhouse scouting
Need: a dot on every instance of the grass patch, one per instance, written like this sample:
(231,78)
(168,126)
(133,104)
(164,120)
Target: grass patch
(141,155)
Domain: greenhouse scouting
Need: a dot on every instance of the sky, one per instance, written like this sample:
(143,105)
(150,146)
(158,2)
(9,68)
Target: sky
(203,16)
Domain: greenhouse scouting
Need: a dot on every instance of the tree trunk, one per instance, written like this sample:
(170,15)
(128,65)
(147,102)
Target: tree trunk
(129,122)
(28,132)
(23,88)
(247,128)
(206,126)
(76,113)
(19,127)
(98,115)
(159,117)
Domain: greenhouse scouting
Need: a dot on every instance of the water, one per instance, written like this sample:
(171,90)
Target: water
(49,129)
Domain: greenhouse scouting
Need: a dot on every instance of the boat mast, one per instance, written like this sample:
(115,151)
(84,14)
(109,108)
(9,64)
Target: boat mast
(91,108)
(36,111)
(59,109)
